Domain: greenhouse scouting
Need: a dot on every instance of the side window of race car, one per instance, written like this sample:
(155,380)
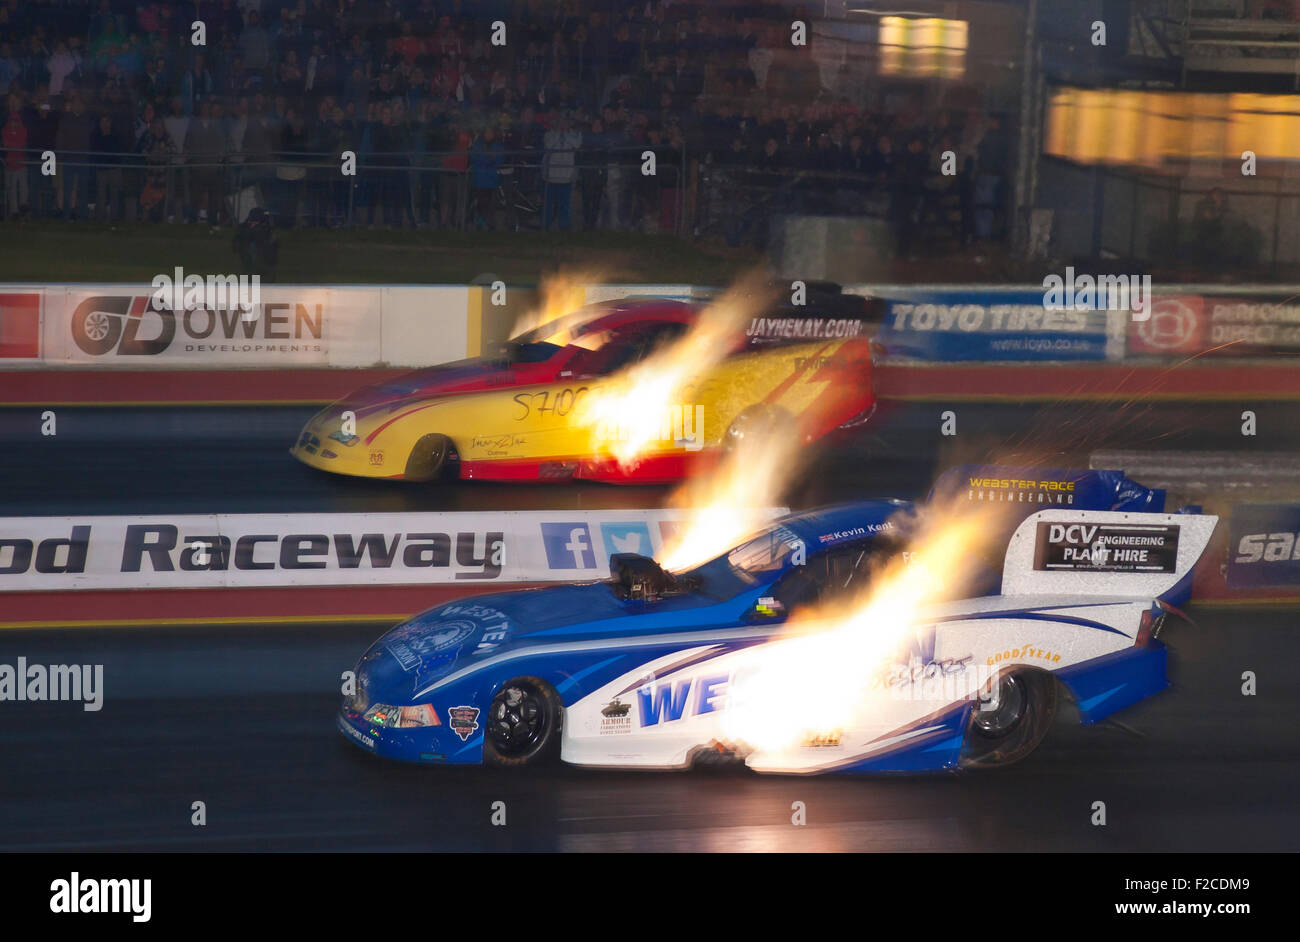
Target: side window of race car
(628,347)
(846,570)
(802,585)
(831,575)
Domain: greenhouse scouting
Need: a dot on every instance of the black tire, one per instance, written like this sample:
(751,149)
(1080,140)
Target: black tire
(523,724)
(1025,707)
(431,459)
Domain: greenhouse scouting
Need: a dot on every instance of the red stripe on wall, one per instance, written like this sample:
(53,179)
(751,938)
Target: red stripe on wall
(188,387)
(1119,381)
(1031,382)
(20,325)
(179,606)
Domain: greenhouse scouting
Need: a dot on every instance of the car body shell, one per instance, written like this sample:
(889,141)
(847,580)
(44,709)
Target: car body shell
(520,417)
(645,683)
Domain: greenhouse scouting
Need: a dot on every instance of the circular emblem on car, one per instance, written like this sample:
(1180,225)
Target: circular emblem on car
(449,634)
(425,641)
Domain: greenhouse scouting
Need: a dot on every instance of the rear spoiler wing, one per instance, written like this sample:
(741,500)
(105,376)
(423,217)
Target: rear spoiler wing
(1032,488)
(1106,553)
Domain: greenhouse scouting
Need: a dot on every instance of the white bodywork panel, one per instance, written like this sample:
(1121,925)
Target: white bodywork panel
(1055,551)
(965,654)
(1048,618)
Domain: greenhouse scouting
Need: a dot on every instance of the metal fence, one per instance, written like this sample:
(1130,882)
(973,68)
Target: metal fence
(461,191)
(736,201)
(449,190)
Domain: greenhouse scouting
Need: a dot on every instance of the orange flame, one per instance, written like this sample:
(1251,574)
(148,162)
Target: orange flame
(636,400)
(831,655)
(562,306)
(737,499)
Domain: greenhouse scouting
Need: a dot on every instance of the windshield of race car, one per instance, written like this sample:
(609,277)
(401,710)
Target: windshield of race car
(826,573)
(764,554)
(612,350)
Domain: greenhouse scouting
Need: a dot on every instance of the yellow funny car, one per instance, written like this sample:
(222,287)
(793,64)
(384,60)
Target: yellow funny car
(522,413)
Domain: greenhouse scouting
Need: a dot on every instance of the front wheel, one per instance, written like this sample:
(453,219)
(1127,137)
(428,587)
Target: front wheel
(431,459)
(1010,720)
(523,724)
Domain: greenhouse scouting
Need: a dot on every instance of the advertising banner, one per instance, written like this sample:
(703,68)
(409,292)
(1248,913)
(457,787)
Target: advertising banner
(1176,326)
(291,326)
(1228,325)
(989,325)
(323,549)
(1264,546)
(20,325)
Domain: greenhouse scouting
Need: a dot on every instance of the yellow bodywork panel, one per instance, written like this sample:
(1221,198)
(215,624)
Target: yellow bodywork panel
(555,421)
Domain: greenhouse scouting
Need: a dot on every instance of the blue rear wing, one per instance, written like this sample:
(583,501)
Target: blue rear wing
(1020,492)
(1043,488)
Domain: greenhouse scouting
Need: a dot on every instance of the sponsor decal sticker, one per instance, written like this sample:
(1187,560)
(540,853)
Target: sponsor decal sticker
(670,701)
(1011,490)
(1106,547)
(1024,652)
(356,734)
(839,536)
(615,717)
(463,721)
(830,739)
(919,672)
(496,624)
(497,446)
(929,680)
(412,644)
(803,328)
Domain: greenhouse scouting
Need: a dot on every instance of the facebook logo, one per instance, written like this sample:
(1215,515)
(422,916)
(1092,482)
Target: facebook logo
(568,546)
(626,538)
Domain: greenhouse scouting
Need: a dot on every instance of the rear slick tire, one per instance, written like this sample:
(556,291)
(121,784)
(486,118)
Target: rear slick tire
(1021,716)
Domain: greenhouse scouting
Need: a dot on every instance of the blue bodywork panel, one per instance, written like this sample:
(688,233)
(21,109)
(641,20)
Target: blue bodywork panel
(578,638)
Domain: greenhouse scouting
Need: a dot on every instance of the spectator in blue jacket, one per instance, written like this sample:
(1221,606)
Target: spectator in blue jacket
(486,157)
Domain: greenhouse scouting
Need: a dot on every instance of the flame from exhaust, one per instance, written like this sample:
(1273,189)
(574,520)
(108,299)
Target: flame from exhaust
(562,305)
(818,679)
(736,499)
(636,400)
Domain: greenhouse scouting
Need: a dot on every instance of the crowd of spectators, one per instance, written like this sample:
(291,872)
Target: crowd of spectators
(455,125)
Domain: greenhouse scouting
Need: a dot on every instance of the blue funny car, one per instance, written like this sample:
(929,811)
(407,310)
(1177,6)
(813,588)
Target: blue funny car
(638,671)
